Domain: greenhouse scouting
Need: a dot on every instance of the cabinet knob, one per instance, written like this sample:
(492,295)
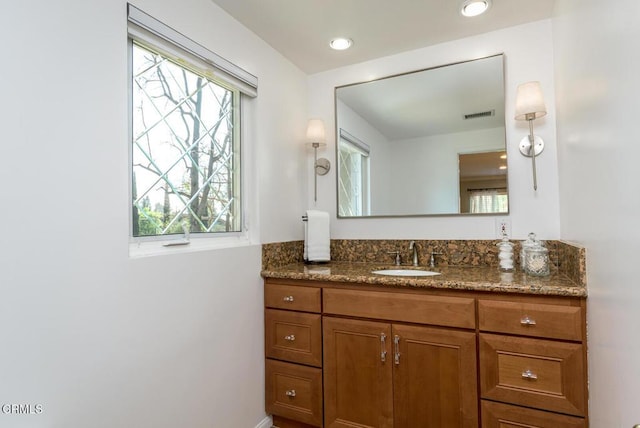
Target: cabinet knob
(288,299)
(528,374)
(291,393)
(526,321)
(290,337)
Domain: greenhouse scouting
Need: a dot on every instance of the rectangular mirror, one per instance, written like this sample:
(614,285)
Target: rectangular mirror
(430,142)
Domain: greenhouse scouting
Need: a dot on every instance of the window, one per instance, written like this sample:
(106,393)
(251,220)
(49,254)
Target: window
(353,176)
(488,201)
(185,133)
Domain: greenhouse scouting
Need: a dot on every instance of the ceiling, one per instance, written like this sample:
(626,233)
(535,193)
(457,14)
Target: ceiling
(431,102)
(301,29)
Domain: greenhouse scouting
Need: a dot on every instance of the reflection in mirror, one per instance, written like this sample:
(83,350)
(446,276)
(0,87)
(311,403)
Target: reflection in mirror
(483,182)
(402,142)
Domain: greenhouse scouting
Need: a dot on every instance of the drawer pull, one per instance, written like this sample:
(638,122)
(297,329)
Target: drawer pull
(526,321)
(290,337)
(383,347)
(288,299)
(396,352)
(528,374)
(291,393)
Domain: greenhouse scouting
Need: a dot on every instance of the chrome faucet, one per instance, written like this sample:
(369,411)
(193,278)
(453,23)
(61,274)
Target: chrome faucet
(413,246)
(432,260)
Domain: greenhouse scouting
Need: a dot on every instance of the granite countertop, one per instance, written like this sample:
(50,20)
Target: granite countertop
(452,278)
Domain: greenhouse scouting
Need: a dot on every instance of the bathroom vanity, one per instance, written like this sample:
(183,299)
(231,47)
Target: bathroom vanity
(468,348)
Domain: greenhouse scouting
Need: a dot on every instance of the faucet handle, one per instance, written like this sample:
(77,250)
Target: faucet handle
(432,260)
(398,260)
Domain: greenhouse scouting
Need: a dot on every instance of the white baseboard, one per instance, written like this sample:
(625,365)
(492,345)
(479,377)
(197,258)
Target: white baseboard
(265,423)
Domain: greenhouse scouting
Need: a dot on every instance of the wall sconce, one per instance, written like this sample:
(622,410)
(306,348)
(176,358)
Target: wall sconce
(316,137)
(530,106)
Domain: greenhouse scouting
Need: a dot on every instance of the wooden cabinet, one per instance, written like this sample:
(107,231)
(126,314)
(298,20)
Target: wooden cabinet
(348,355)
(431,375)
(498,415)
(392,375)
(384,375)
(293,336)
(293,348)
(294,391)
(357,373)
(543,367)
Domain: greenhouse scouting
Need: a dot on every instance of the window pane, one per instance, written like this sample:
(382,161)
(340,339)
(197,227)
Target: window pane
(488,201)
(185,151)
(353,181)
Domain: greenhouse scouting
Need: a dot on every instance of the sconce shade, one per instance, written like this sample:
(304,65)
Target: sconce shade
(529,101)
(315,132)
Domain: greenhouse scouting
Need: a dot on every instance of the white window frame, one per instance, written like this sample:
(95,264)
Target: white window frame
(149,31)
(355,145)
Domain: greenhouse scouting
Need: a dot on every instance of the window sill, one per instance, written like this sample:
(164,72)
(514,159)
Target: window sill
(140,249)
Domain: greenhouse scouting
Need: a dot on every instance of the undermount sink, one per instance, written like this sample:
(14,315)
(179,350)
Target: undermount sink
(405,272)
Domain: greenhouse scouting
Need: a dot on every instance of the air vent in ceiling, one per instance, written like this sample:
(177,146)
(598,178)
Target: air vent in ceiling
(487,113)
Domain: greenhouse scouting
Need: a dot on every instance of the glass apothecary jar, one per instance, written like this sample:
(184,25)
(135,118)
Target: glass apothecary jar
(536,261)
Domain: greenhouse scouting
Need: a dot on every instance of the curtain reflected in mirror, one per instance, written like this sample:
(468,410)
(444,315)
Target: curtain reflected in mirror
(483,182)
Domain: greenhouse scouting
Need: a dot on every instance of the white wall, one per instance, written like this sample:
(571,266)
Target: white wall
(426,169)
(528,56)
(97,338)
(597,66)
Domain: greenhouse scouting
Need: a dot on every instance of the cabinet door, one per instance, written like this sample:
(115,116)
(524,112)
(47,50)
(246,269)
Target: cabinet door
(357,374)
(434,378)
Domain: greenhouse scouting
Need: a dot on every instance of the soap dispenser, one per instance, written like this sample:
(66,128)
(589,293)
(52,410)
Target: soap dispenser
(506,254)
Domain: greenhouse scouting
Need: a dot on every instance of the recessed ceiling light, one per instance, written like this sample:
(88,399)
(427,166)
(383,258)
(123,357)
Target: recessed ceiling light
(474,7)
(503,156)
(340,43)
(503,167)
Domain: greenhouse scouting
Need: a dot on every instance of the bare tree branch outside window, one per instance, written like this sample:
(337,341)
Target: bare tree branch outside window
(185,149)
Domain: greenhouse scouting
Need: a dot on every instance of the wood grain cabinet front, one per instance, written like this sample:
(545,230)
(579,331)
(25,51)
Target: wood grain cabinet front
(294,337)
(345,355)
(294,391)
(383,375)
(293,298)
(532,372)
(531,319)
(498,415)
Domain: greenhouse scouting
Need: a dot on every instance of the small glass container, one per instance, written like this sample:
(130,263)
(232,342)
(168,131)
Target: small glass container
(536,261)
(531,242)
(505,256)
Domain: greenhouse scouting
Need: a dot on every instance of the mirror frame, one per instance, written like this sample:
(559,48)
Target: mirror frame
(458,214)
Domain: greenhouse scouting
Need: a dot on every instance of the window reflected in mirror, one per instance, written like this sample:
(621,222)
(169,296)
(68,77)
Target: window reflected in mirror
(483,182)
(353,176)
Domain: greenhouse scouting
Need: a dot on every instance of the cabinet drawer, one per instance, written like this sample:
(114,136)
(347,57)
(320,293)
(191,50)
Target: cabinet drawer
(292,297)
(294,336)
(417,308)
(498,415)
(531,319)
(534,373)
(294,392)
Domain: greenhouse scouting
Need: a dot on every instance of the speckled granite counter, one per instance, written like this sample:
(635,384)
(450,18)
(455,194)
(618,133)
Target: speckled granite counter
(470,278)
